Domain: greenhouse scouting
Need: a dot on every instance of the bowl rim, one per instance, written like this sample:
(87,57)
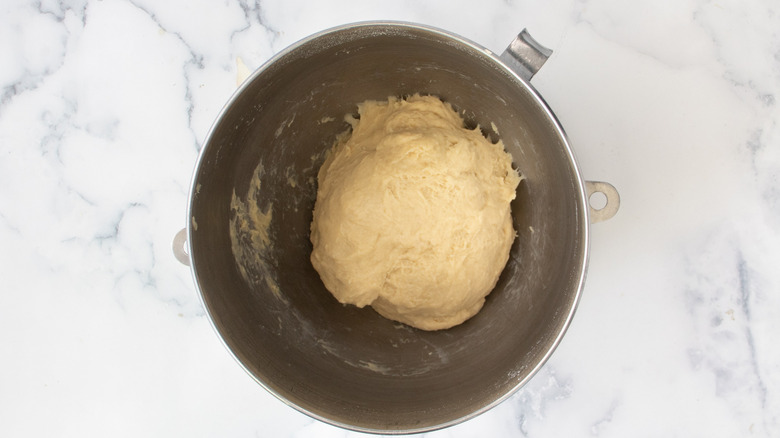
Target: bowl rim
(584,218)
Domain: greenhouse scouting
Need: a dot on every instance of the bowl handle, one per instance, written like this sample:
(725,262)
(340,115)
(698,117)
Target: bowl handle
(600,213)
(525,56)
(180,247)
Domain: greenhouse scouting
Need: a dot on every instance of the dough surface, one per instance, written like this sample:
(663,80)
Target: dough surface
(413,213)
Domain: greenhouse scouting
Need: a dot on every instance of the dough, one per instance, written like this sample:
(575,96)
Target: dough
(412,213)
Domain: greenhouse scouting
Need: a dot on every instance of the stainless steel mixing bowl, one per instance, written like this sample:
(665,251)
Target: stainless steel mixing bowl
(347,366)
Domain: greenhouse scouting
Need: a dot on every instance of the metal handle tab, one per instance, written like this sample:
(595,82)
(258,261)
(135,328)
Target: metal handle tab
(525,56)
(180,247)
(602,213)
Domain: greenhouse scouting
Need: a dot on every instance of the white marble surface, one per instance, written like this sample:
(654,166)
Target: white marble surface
(105,104)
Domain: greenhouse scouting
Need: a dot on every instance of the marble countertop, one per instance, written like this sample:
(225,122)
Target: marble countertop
(106,103)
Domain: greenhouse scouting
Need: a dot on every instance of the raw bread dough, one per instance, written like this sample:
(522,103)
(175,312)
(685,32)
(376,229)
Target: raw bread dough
(412,214)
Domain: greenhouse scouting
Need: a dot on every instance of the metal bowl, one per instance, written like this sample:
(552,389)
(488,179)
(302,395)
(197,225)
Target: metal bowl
(351,367)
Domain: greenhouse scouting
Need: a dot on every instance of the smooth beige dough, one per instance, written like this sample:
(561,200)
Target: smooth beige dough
(412,215)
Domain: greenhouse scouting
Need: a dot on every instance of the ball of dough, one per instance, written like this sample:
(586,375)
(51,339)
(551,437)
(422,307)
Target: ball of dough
(413,213)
